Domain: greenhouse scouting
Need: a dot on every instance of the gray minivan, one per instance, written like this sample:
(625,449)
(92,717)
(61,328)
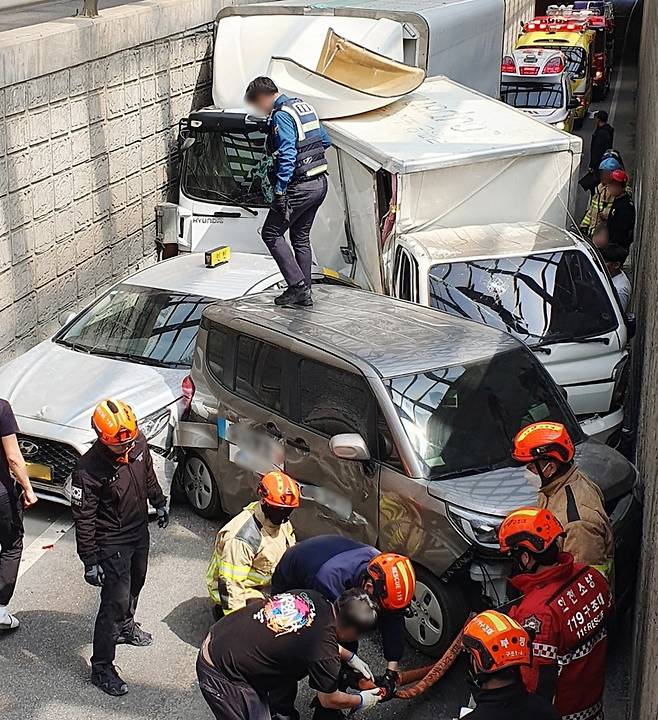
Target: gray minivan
(397,421)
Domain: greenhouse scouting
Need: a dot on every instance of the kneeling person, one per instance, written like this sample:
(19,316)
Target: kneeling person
(249,547)
(275,643)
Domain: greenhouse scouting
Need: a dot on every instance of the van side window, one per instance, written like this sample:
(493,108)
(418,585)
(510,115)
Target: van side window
(217,352)
(405,275)
(258,374)
(333,401)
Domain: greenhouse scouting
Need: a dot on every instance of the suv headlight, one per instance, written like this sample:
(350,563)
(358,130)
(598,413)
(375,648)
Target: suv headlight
(154,424)
(479,528)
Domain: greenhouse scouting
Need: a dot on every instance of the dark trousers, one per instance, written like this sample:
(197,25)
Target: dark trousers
(303,201)
(125,572)
(282,702)
(11,544)
(229,700)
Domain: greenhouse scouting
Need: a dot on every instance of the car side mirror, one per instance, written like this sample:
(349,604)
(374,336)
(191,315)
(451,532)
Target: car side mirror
(631,325)
(349,446)
(573,104)
(187,144)
(65,317)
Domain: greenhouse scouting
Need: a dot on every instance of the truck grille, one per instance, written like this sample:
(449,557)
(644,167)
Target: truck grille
(60,456)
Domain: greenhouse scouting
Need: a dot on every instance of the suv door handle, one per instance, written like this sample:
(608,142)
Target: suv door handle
(299,444)
(273,431)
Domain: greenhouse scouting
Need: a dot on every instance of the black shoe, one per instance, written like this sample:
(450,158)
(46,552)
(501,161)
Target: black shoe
(106,678)
(136,636)
(286,295)
(299,294)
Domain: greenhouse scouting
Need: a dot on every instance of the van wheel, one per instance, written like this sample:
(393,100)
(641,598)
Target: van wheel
(200,487)
(438,612)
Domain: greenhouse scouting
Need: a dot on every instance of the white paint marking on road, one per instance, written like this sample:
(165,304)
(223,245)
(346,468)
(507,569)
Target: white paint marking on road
(41,545)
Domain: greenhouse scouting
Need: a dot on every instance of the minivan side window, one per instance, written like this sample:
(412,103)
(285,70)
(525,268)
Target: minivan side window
(334,401)
(259,372)
(217,353)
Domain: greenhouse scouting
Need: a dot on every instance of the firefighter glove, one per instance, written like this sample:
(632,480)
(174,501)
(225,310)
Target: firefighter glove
(163,518)
(94,575)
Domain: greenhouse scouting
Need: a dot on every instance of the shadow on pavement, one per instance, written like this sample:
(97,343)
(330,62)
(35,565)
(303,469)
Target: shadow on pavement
(191,620)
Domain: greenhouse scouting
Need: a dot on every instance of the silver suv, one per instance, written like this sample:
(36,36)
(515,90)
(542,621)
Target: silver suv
(397,420)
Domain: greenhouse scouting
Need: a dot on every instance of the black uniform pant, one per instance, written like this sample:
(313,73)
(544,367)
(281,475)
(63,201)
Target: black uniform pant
(125,572)
(303,200)
(11,544)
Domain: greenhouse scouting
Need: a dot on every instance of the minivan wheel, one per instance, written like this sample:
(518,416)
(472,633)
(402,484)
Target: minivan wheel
(200,487)
(437,614)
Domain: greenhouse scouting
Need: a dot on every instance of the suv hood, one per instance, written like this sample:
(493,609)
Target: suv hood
(501,491)
(55,384)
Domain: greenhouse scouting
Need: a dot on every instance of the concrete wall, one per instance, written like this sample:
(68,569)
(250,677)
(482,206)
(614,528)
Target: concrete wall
(88,113)
(645,407)
(516,11)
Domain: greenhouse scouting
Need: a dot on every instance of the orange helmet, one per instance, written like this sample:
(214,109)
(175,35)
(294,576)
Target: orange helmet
(496,642)
(543,440)
(394,579)
(114,422)
(279,490)
(532,529)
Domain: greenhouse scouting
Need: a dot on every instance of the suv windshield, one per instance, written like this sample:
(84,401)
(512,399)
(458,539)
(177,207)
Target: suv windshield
(527,95)
(541,299)
(227,165)
(140,324)
(462,419)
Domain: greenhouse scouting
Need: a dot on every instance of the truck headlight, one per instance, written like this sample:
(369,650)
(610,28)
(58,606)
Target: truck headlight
(479,528)
(620,375)
(154,424)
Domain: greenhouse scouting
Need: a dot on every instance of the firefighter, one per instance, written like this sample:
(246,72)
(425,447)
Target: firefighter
(249,547)
(498,647)
(565,606)
(548,452)
(112,483)
(332,564)
(296,141)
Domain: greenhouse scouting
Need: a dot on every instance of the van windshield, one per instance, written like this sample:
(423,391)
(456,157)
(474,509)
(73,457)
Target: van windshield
(541,299)
(462,419)
(226,165)
(532,95)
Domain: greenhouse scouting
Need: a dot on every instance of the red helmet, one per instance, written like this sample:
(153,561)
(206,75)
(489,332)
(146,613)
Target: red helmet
(620,176)
(543,440)
(496,642)
(279,490)
(533,529)
(394,579)
(114,422)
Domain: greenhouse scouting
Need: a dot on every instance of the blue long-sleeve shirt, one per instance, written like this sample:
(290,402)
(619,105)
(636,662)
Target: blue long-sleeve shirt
(283,135)
(332,564)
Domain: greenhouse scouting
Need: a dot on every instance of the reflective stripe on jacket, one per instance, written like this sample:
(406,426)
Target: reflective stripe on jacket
(247,550)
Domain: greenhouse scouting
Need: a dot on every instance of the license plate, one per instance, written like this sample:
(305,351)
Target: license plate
(37,471)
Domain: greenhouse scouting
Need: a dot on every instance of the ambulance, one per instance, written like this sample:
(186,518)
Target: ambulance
(575,40)
(535,81)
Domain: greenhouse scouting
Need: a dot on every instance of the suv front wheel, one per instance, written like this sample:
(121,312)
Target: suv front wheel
(437,614)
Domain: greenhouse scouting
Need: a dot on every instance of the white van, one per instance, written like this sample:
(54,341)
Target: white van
(543,285)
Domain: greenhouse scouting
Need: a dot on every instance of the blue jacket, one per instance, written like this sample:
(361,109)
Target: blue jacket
(332,564)
(282,140)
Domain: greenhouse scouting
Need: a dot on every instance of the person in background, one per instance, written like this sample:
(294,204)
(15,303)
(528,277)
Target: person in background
(565,607)
(498,648)
(274,643)
(297,142)
(548,452)
(621,215)
(615,256)
(601,202)
(12,504)
(249,547)
(602,139)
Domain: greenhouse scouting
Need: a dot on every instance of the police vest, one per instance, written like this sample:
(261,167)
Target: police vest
(311,160)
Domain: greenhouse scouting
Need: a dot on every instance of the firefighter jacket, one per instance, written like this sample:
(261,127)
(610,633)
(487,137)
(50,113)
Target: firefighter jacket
(247,550)
(565,608)
(599,209)
(109,499)
(578,504)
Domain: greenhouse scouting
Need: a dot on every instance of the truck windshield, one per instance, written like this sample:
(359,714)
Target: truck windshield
(462,419)
(227,164)
(532,95)
(541,299)
(143,325)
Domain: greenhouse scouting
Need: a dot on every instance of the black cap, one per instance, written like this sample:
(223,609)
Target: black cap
(601,115)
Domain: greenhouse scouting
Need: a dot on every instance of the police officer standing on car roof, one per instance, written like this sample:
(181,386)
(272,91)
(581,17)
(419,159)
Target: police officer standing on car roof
(296,141)
(112,483)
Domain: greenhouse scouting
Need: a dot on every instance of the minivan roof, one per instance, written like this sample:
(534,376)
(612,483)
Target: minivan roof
(369,330)
(471,242)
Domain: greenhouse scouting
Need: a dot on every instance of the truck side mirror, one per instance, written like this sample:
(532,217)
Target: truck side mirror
(65,317)
(187,144)
(573,104)
(349,446)
(631,325)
